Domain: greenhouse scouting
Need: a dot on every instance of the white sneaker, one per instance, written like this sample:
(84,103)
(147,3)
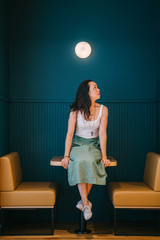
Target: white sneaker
(80,205)
(87,213)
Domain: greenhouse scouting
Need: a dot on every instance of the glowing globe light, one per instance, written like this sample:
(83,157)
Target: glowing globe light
(83,49)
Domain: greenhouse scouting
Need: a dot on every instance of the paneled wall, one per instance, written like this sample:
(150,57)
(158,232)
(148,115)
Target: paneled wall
(44,74)
(38,132)
(158,76)
(4,79)
(4,126)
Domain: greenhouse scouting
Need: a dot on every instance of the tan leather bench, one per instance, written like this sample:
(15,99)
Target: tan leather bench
(16,194)
(138,195)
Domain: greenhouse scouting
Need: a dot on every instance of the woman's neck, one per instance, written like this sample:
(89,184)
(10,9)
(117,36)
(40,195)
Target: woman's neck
(93,104)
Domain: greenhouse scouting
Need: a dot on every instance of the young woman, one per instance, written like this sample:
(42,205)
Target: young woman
(85,157)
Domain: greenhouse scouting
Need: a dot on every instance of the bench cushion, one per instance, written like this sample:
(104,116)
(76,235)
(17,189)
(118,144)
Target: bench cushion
(133,194)
(152,171)
(30,194)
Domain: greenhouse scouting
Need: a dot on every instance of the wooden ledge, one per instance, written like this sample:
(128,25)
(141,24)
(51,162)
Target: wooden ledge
(56,161)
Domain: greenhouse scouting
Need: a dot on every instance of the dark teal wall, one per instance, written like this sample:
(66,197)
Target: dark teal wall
(45,73)
(158,74)
(43,36)
(4,80)
(158,81)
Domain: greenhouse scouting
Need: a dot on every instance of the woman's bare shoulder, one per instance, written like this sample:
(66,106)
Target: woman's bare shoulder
(73,114)
(105,109)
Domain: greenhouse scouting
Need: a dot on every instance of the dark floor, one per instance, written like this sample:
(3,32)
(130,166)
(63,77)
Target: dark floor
(67,231)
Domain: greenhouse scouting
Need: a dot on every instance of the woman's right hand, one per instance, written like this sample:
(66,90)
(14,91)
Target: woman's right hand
(65,162)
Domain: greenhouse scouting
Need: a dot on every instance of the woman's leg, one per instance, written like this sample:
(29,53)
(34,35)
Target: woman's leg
(83,190)
(89,186)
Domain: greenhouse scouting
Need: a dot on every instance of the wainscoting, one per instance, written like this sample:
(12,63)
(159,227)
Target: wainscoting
(38,130)
(4,125)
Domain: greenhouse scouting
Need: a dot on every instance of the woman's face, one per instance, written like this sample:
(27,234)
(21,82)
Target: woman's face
(94,92)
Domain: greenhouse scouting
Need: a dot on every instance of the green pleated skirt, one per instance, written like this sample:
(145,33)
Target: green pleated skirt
(85,164)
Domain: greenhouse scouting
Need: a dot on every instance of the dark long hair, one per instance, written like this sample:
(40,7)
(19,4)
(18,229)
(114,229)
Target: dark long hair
(82,101)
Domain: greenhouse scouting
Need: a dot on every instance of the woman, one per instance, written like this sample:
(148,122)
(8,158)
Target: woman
(85,156)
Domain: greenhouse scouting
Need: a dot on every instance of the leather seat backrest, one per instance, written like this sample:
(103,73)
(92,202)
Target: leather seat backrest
(152,171)
(10,172)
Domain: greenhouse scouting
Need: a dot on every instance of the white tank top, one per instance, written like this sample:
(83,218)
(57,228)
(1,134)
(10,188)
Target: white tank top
(88,129)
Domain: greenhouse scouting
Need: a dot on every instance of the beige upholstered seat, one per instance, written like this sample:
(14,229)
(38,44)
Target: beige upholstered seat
(143,195)
(133,194)
(139,194)
(37,194)
(18,194)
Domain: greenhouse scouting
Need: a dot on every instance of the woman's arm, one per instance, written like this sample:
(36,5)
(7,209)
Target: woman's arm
(103,136)
(68,142)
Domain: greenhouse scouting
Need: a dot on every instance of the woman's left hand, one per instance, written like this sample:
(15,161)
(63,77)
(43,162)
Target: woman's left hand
(106,162)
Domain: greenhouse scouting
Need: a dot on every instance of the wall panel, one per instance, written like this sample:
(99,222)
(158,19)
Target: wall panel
(38,131)
(4,126)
